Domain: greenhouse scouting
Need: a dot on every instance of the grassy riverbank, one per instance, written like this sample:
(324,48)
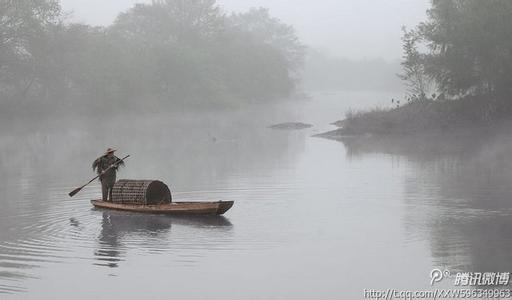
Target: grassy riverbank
(425,117)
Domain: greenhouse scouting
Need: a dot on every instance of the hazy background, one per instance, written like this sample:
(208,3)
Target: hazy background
(354,29)
(192,104)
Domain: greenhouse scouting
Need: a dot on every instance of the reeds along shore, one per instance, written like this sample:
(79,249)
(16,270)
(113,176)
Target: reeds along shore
(427,116)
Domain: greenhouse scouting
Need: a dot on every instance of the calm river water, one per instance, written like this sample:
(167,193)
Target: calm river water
(313,218)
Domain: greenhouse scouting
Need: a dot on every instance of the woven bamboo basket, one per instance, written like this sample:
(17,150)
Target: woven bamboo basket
(143,192)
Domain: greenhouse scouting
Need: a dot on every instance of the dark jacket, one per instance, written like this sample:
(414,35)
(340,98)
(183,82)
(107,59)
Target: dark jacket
(103,162)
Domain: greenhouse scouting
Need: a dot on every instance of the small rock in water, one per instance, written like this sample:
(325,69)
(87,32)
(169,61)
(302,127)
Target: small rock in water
(291,126)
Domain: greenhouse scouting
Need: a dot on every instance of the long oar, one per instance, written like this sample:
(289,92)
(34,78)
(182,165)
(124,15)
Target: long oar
(75,191)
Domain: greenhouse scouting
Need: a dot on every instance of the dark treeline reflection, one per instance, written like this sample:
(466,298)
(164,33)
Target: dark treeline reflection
(167,52)
(457,194)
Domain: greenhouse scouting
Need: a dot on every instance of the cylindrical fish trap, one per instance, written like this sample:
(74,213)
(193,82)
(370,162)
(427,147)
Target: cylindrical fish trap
(141,192)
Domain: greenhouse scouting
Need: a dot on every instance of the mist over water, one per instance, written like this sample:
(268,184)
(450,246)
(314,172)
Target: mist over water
(345,177)
(312,217)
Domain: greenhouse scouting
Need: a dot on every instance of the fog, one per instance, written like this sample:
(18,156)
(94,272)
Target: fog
(351,29)
(364,144)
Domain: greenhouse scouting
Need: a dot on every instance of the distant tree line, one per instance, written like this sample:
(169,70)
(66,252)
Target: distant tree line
(169,50)
(463,49)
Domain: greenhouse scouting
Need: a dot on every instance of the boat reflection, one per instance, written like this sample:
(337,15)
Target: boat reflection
(120,231)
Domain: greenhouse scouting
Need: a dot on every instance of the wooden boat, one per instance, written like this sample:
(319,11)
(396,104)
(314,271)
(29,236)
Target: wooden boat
(173,208)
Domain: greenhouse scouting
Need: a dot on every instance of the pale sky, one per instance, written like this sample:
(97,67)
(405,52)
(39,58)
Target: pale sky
(356,29)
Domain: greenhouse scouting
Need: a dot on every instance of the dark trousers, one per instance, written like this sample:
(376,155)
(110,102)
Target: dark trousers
(107,184)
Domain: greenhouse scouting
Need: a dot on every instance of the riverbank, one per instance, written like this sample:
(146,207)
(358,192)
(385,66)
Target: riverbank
(425,117)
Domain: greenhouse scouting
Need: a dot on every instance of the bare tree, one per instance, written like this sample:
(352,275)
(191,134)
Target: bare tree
(418,82)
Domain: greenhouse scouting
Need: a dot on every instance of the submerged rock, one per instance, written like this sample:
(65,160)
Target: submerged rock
(291,126)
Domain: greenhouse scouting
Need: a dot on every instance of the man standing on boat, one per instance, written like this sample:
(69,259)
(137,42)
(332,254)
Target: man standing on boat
(108,178)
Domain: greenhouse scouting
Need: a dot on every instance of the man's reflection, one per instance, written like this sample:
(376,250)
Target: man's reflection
(116,225)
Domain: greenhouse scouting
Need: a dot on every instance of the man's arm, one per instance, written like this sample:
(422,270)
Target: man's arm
(118,162)
(95,164)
